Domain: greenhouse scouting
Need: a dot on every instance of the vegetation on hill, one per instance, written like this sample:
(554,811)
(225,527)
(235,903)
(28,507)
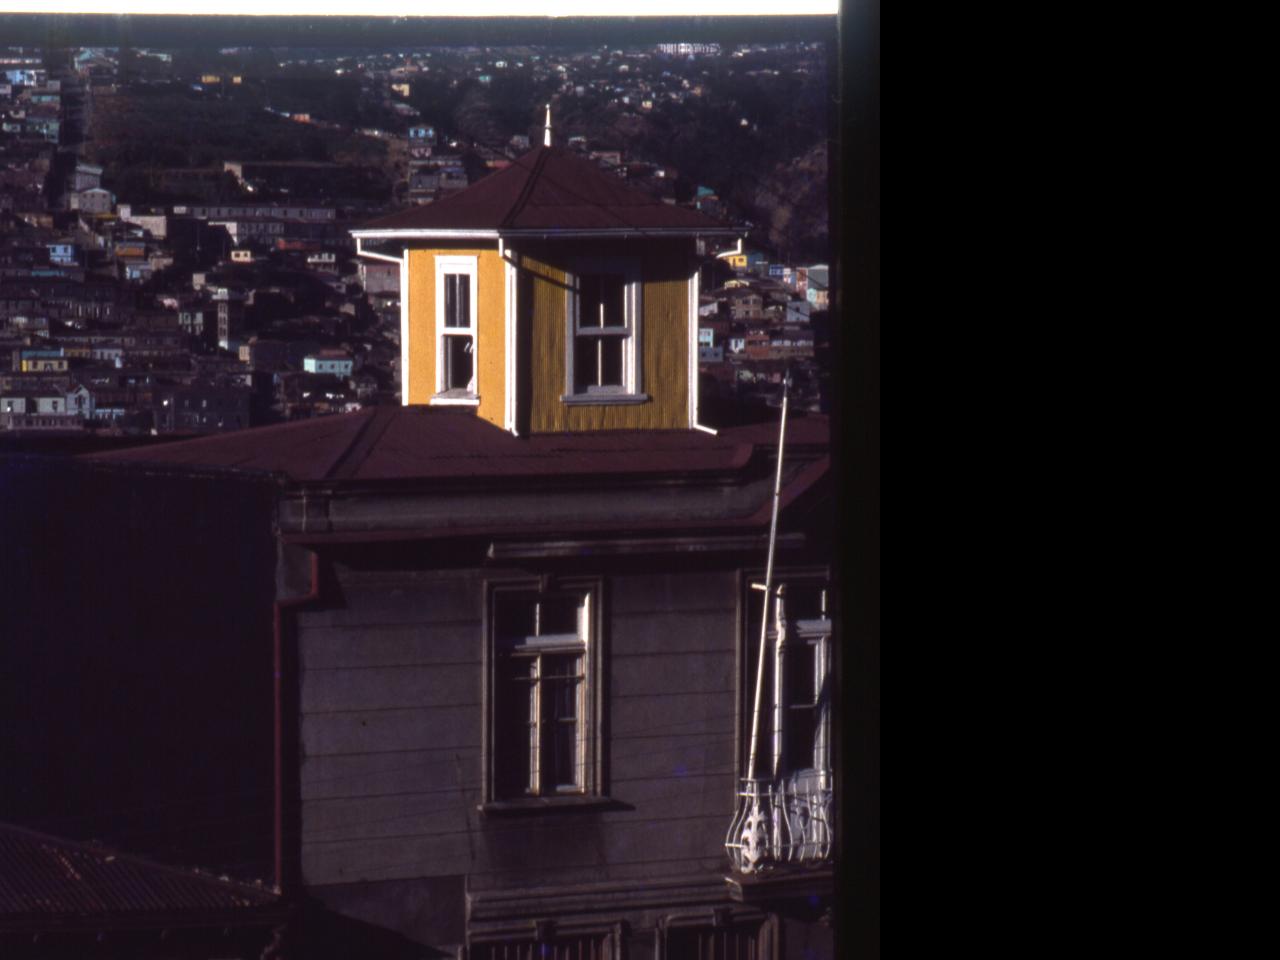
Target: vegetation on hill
(144,129)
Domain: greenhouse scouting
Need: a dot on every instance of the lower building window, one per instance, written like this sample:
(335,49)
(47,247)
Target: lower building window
(734,940)
(590,947)
(794,727)
(545,651)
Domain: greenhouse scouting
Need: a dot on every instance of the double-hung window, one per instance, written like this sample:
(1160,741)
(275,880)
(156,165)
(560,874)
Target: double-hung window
(603,337)
(455,330)
(545,661)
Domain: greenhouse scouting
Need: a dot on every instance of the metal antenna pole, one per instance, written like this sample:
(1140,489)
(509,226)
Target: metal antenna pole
(768,584)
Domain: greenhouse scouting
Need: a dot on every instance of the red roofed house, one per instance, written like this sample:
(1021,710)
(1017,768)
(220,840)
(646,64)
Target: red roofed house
(518,621)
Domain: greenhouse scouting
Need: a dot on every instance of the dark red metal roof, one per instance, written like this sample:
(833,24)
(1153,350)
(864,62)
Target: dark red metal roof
(44,877)
(550,188)
(423,443)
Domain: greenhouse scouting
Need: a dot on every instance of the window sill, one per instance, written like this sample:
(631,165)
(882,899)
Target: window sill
(603,399)
(536,805)
(452,399)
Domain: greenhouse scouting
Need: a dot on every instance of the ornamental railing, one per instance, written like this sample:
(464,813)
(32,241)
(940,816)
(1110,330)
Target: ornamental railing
(782,822)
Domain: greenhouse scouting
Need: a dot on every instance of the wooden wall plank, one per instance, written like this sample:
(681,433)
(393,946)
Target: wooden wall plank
(384,774)
(684,591)
(406,602)
(385,730)
(383,688)
(392,645)
(670,673)
(368,818)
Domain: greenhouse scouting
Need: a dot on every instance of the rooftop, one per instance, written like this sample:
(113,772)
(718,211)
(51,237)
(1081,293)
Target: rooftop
(397,443)
(548,189)
(45,878)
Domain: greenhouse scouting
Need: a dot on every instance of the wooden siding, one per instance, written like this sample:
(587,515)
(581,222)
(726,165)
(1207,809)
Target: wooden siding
(491,318)
(392,724)
(665,270)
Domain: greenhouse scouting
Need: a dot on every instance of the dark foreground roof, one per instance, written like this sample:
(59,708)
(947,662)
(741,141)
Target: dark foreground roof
(550,188)
(45,878)
(395,443)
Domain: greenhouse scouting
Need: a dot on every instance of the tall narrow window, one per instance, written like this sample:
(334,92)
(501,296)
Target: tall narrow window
(544,653)
(542,645)
(604,334)
(455,330)
(795,730)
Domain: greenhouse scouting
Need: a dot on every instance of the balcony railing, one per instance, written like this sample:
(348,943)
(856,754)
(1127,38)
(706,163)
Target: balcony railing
(782,822)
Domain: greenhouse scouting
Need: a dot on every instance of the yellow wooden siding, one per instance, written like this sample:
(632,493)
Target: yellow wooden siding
(491,337)
(665,270)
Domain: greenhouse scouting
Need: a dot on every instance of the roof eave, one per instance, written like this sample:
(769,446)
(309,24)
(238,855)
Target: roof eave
(543,232)
(420,233)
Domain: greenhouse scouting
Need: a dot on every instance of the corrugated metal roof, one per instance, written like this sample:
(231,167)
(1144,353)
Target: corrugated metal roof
(549,188)
(395,443)
(48,877)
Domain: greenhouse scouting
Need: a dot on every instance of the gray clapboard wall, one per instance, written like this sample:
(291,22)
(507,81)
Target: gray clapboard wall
(392,722)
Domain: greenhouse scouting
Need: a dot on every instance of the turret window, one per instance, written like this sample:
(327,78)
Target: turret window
(603,342)
(602,333)
(455,330)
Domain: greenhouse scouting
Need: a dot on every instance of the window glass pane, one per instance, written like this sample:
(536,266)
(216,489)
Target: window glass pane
(804,601)
(800,733)
(585,364)
(602,300)
(589,313)
(800,675)
(558,615)
(457,362)
(564,754)
(514,614)
(597,362)
(516,727)
(610,361)
(612,294)
(457,300)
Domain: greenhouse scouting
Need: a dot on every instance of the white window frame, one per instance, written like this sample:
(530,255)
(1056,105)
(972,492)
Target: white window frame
(499,745)
(632,388)
(469,267)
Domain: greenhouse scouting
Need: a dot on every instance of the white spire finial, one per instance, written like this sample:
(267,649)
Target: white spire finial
(546,131)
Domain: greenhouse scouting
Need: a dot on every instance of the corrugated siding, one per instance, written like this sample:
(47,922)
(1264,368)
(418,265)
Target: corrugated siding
(491,313)
(665,312)
(491,379)
(422,322)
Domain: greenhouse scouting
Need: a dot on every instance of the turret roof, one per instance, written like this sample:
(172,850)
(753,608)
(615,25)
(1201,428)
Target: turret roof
(549,189)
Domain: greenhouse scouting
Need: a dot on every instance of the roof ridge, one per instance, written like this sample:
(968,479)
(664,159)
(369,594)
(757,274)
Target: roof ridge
(339,461)
(345,467)
(527,190)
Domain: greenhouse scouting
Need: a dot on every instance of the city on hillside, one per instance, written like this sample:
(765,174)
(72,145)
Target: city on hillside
(175,247)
